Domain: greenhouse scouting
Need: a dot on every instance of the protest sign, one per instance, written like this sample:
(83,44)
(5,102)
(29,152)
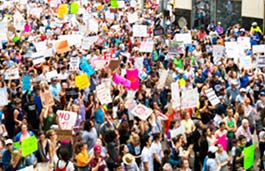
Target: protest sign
(140,31)
(62,11)
(249,156)
(103,93)
(261,61)
(189,98)
(67,119)
(141,111)
(243,42)
(245,62)
(121,80)
(11,74)
(88,41)
(63,134)
(23,2)
(258,48)
(93,25)
(19,21)
(121,4)
(146,46)
(223,141)
(183,37)
(82,81)
(40,46)
(72,39)
(139,63)
(176,47)
(4,96)
(51,74)
(26,82)
(158,31)
(38,58)
(47,99)
(74,63)
(175,95)
(109,15)
(29,146)
(71,93)
(218,51)
(232,50)
(132,75)
(62,46)
(86,67)
(114,64)
(162,78)
(3,31)
(74,8)
(177,131)
(132,17)
(210,93)
(28,168)
(114,4)
(99,64)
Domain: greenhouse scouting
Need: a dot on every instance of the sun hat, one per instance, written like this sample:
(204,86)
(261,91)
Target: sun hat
(128,159)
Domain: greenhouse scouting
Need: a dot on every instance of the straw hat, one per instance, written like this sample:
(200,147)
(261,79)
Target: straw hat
(128,159)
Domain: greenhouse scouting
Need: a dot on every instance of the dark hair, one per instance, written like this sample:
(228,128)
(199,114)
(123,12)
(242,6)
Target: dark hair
(221,123)
(156,136)
(241,137)
(87,125)
(172,123)
(63,154)
(110,136)
(211,155)
(145,139)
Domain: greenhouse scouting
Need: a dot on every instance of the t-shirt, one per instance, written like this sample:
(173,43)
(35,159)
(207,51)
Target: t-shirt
(61,164)
(90,138)
(147,156)
(211,165)
(157,148)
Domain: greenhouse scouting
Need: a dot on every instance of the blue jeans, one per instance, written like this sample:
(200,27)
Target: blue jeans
(82,168)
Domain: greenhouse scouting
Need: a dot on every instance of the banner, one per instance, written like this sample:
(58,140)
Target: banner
(245,62)
(47,99)
(12,74)
(132,75)
(189,98)
(176,47)
(29,146)
(223,141)
(249,156)
(103,93)
(261,61)
(258,49)
(141,111)
(26,82)
(82,81)
(147,46)
(67,119)
(4,96)
(183,37)
(63,134)
(122,81)
(218,51)
(74,64)
(38,58)
(175,95)
(74,8)
(62,47)
(140,31)
(162,78)
(210,93)
(86,67)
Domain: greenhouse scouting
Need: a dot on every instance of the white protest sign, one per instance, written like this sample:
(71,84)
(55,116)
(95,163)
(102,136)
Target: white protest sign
(19,21)
(175,94)
(245,62)
(40,46)
(232,50)
(93,25)
(162,78)
(139,63)
(244,42)
(74,63)
(132,17)
(103,94)
(121,4)
(218,51)
(36,12)
(258,49)
(51,74)
(261,61)
(146,46)
(88,41)
(141,111)
(12,74)
(140,31)
(109,15)
(183,37)
(133,3)
(3,95)
(28,168)
(210,93)
(99,64)
(38,57)
(177,131)
(72,39)
(189,98)
(3,31)
(67,119)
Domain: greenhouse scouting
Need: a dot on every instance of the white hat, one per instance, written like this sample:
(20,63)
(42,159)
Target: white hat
(219,23)
(9,141)
(242,30)
(254,24)
(243,90)
(234,82)
(212,149)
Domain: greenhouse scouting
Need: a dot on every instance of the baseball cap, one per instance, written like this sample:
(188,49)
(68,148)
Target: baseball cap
(97,149)
(262,93)
(242,90)
(212,149)
(9,141)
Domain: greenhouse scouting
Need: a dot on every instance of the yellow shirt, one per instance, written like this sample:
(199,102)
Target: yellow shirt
(82,158)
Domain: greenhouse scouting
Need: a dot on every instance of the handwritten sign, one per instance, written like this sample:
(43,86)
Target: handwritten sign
(175,47)
(258,48)
(210,93)
(162,78)
(82,81)
(29,145)
(140,31)
(3,95)
(175,94)
(74,63)
(147,46)
(12,74)
(47,99)
(141,111)
(189,98)
(64,134)
(218,51)
(38,58)
(245,62)
(261,61)
(103,94)
(67,119)
(183,37)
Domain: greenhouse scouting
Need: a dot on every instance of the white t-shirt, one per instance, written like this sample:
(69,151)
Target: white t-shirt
(61,164)
(157,148)
(147,156)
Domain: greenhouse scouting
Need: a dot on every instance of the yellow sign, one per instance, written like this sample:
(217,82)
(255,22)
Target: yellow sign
(63,10)
(82,81)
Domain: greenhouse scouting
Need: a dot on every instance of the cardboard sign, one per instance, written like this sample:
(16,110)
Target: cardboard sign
(67,119)
(189,98)
(210,93)
(103,94)
(140,31)
(141,111)
(175,95)
(175,48)
(47,99)
(82,81)
(162,78)
(74,63)
(29,146)
(64,134)
(258,49)
(147,46)
(62,47)
(183,37)
(261,61)
(12,74)
(71,93)
(114,64)
(4,96)
(218,51)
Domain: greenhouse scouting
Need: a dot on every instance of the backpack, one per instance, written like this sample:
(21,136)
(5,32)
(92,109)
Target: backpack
(60,169)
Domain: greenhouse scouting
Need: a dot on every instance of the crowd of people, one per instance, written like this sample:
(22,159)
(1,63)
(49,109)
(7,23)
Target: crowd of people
(110,136)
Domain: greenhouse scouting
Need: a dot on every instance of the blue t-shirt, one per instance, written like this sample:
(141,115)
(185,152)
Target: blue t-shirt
(99,116)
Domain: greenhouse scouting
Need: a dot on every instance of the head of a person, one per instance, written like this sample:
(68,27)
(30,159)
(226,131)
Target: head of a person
(157,136)
(229,111)
(9,144)
(167,167)
(88,125)
(242,140)
(262,95)
(51,134)
(211,152)
(220,148)
(42,135)
(242,91)
(63,154)
(185,164)
(97,151)
(134,139)
(24,129)
(245,123)
(147,141)
(222,125)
